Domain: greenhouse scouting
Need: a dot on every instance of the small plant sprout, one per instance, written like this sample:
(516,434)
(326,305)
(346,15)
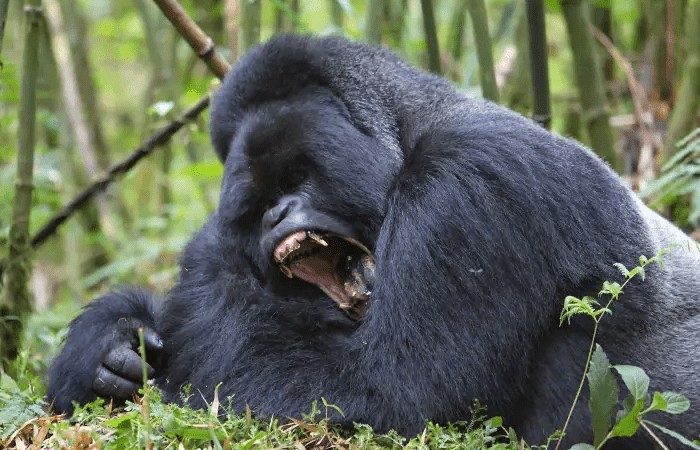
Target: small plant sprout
(602,383)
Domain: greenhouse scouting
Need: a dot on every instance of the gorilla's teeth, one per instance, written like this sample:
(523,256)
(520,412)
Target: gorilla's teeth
(316,238)
(285,270)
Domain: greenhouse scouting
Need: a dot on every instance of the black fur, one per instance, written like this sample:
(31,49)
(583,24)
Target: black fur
(481,223)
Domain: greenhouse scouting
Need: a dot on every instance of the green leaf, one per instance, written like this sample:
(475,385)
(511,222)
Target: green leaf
(582,447)
(603,394)
(496,421)
(675,435)
(628,424)
(659,403)
(114,422)
(207,170)
(623,270)
(612,289)
(636,380)
(637,270)
(8,384)
(677,403)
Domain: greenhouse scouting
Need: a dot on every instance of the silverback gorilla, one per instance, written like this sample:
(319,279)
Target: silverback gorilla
(400,249)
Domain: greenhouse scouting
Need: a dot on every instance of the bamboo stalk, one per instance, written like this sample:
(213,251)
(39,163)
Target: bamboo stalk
(373,21)
(4,4)
(287,17)
(482,38)
(517,92)
(396,21)
(248,24)
(459,20)
(601,19)
(589,79)
(431,39)
(77,30)
(337,14)
(539,68)
(79,255)
(17,302)
(231,11)
(74,109)
(685,111)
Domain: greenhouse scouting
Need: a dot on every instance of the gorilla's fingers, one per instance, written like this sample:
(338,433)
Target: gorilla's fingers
(108,384)
(128,328)
(126,363)
(152,340)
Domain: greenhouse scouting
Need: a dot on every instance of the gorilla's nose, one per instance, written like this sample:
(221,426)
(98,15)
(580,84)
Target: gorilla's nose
(286,205)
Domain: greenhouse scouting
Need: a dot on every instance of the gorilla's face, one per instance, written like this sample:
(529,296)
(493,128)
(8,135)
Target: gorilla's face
(306,191)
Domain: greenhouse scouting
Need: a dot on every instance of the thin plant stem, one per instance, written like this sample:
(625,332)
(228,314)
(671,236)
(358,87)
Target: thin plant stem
(588,358)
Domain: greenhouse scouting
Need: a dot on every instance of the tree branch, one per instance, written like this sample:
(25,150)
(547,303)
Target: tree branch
(202,44)
(113,173)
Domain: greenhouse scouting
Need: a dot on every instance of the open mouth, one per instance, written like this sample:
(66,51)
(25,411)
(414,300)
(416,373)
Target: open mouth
(340,266)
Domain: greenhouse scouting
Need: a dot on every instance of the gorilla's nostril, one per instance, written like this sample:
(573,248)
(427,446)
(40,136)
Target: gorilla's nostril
(277,214)
(273,217)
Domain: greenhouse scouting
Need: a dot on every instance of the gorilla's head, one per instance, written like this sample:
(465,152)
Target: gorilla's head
(306,191)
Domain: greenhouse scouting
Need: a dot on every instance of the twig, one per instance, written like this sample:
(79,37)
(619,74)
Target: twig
(653,435)
(645,166)
(155,140)
(202,44)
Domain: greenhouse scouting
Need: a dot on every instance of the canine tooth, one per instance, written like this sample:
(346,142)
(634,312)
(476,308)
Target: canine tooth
(285,270)
(316,238)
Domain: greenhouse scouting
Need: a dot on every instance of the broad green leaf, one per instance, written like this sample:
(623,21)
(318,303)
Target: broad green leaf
(659,403)
(8,384)
(674,434)
(677,403)
(115,421)
(496,421)
(636,380)
(603,394)
(629,423)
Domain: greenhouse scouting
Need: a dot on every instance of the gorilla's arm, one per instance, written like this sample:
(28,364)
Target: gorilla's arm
(487,228)
(100,357)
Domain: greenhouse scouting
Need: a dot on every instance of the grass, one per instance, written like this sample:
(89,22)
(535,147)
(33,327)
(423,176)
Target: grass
(149,423)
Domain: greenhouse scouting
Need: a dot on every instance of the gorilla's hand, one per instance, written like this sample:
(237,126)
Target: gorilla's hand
(100,356)
(120,373)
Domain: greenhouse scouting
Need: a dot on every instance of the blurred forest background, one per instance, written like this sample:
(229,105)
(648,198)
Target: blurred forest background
(623,77)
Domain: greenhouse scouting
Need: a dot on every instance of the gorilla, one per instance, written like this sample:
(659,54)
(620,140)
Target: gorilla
(400,249)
